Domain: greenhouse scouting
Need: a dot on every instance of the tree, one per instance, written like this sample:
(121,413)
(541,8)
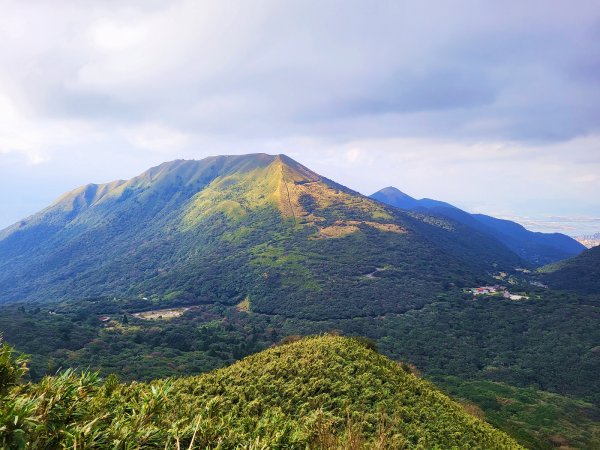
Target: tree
(12,367)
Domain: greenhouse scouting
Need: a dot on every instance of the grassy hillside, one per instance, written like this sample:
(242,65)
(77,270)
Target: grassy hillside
(224,229)
(322,392)
(580,274)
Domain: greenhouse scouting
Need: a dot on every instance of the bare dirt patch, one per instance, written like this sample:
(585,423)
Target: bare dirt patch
(343,228)
(161,314)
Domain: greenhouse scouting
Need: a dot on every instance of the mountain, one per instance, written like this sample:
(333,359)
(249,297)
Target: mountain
(580,274)
(257,227)
(194,265)
(534,247)
(322,392)
(395,197)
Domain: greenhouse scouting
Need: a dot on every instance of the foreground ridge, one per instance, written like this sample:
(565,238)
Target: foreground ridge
(319,392)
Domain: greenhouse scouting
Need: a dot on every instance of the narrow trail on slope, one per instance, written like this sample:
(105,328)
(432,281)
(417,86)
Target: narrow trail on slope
(289,196)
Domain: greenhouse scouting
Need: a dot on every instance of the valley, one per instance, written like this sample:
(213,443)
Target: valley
(454,336)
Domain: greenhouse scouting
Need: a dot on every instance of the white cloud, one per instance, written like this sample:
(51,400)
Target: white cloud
(17,136)
(110,36)
(35,139)
(354,155)
(585,178)
(496,108)
(156,137)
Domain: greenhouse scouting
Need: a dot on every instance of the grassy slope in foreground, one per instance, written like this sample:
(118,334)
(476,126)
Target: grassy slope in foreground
(321,392)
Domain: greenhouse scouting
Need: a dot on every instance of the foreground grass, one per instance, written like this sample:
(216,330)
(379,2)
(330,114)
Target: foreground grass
(320,392)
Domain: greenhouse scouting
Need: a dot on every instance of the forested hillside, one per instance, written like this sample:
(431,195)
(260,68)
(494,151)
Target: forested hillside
(325,392)
(225,229)
(545,345)
(580,274)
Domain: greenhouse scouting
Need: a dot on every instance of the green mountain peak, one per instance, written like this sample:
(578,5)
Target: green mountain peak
(228,227)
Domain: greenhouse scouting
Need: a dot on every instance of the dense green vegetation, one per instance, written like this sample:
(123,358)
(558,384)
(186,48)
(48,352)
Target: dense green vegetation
(70,335)
(548,343)
(579,274)
(537,419)
(325,392)
(222,229)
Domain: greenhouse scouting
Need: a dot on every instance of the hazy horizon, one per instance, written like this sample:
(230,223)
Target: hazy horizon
(495,109)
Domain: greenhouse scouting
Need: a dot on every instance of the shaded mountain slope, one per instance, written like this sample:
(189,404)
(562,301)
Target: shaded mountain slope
(323,392)
(227,228)
(580,274)
(395,197)
(536,248)
(540,248)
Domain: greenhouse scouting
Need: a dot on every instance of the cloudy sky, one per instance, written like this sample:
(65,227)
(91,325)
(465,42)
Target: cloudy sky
(492,106)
